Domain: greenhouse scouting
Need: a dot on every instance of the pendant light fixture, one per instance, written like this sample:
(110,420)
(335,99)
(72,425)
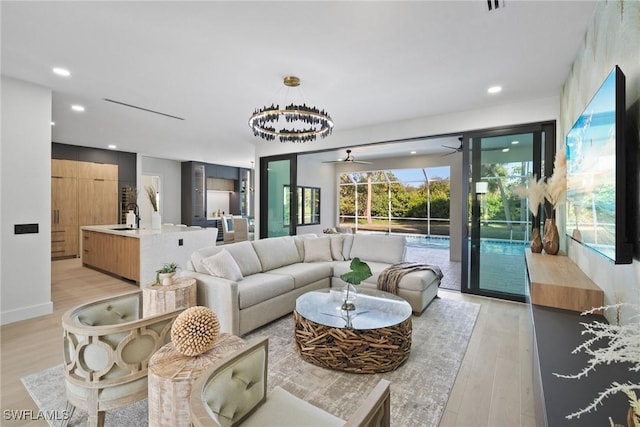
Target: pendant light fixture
(296,123)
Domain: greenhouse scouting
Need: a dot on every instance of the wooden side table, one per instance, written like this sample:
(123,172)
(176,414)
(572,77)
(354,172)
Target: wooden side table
(171,375)
(158,299)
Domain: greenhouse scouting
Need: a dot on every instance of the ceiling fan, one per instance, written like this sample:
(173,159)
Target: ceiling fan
(348,159)
(455,149)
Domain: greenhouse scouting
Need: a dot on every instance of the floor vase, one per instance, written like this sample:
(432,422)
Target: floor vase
(551,239)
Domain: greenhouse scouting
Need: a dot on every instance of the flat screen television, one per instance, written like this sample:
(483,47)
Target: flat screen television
(596,211)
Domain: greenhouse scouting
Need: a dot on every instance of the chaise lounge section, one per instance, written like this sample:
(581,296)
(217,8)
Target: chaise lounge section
(249,284)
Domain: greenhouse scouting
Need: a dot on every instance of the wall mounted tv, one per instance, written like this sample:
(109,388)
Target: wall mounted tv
(596,211)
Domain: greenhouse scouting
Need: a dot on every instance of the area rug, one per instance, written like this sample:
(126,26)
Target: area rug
(419,388)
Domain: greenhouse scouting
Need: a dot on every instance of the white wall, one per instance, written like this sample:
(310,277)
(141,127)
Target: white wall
(25,159)
(323,176)
(612,38)
(170,175)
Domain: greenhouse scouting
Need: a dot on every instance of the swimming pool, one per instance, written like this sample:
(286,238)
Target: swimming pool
(489,246)
(502,267)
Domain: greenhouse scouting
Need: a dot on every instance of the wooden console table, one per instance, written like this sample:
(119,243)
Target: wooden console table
(556,281)
(559,292)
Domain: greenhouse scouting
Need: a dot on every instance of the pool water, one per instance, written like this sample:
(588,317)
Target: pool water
(502,267)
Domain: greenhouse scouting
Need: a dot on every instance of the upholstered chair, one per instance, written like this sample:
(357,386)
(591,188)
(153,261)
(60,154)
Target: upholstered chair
(233,392)
(228,234)
(107,347)
(240,229)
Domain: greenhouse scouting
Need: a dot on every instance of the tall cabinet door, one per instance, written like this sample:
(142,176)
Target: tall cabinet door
(64,209)
(98,201)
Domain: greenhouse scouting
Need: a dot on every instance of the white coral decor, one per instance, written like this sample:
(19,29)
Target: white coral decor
(623,347)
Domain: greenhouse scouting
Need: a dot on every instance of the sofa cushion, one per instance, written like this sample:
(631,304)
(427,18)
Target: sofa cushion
(276,252)
(223,265)
(299,241)
(261,287)
(346,246)
(246,257)
(304,274)
(336,247)
(415,281)
(317,249)
(378,248)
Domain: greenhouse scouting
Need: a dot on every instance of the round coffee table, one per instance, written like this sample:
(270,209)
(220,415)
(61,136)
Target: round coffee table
(375,337)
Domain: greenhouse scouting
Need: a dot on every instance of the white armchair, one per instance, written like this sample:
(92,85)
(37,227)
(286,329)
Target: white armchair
(233,392)
(107,347)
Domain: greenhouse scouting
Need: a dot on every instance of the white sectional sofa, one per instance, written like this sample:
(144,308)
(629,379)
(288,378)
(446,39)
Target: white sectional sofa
(251,283)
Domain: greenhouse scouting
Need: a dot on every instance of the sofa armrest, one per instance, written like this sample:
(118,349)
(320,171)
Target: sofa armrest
(221,296)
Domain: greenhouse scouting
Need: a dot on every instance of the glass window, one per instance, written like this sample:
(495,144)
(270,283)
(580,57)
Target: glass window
(308,205)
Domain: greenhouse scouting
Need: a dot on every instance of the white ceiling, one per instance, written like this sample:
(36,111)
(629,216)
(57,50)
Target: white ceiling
(213,63)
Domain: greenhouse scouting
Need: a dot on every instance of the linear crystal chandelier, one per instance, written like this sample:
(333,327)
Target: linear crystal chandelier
(297,123)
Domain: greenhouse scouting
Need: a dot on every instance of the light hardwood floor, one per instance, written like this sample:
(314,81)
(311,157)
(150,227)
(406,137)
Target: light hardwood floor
(493,387)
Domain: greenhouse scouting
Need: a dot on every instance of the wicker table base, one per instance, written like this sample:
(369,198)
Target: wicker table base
(171,375)
(359,351)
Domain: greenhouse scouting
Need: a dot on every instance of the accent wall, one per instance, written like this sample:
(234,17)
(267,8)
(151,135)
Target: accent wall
(613,38)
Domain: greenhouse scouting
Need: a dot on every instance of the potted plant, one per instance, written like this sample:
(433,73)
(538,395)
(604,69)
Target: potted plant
(165,274)
(359,272)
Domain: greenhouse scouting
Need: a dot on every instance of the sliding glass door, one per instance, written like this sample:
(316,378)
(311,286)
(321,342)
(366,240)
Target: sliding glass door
(278,203)
(500,222)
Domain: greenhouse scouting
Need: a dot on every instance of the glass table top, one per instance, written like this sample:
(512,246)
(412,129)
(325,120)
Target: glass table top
(374,309)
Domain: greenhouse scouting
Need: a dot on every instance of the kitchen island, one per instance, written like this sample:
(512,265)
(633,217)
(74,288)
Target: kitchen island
(136,254)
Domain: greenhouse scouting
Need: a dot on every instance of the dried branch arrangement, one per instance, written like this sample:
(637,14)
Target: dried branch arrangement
(556,185)
(622,346)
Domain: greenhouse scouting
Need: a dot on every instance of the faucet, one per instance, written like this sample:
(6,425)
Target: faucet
(136,211)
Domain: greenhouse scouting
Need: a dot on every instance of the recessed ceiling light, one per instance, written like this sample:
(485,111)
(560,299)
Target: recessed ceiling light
(53,123)
(515,142)
(504,150)
(413,152)
(112,146)
(61,72)
(77,108)
(494,89)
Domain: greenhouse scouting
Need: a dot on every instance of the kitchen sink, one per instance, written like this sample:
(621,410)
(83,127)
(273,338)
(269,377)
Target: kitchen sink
(123,229)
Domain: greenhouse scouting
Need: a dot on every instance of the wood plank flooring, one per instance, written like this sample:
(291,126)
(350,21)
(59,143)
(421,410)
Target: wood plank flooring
(493,387)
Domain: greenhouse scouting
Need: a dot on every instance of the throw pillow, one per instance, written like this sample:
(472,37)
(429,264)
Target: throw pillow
(336,247)
(317,249)
(223,265)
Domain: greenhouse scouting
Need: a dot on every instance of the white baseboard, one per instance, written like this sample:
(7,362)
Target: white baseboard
(24,313)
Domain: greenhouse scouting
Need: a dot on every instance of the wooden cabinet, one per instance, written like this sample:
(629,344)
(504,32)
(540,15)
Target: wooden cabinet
(98,201)
(64,209)
(115,254)
(82,193)
(103,171)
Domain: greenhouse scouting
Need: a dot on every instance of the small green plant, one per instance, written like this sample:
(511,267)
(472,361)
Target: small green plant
(360,271)
(169,267)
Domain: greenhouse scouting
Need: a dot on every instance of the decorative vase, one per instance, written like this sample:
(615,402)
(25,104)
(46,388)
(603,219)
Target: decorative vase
(551,240)
(349,295)
(166,279)
(536,241)
(156,221)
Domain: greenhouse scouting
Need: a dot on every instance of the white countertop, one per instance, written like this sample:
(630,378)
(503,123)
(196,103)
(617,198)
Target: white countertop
(120,229)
